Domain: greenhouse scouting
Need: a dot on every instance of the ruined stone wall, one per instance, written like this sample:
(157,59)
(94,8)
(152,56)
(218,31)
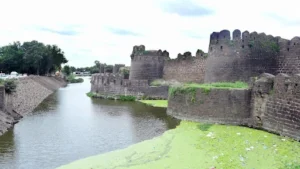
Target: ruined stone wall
(216,106)
(114,85)
(117,67)
(277,104)
(147,65)
(186,68)
(239,58)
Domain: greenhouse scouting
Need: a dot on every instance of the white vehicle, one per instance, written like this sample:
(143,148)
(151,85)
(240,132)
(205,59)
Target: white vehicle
(13,74)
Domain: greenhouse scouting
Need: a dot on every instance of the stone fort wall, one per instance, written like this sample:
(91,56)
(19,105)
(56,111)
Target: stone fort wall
(271,103)
(241,56)
(276,104)
(186,68)
(147,64)
(113,85)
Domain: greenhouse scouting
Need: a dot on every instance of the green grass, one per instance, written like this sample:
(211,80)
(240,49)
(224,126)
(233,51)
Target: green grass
(91,94)
(190,88)
(127,98)
(194,145)
(156,103)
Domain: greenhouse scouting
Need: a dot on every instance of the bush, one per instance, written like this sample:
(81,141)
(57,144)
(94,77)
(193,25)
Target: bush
(10,86)
(91,94)
(72,79)
(127,98)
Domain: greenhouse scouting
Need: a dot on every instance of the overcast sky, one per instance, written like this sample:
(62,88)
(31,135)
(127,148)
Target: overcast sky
(106,30)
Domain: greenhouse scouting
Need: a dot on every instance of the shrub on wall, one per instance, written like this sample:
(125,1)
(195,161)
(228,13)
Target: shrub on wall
(10,86)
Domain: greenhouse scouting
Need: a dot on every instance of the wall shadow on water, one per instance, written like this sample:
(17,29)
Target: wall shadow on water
(141,110)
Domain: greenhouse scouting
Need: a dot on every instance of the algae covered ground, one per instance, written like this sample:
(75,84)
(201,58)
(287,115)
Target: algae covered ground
(202,146)
(155,103)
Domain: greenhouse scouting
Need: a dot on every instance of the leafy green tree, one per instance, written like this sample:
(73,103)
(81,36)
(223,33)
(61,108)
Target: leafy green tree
(67,70)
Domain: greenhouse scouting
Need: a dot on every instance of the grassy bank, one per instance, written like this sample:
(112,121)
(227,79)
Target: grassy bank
(155,103)
(202,146)
(192,87)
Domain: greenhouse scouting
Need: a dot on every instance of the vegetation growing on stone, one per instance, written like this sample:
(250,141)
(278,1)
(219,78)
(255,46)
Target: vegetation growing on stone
(203,146)
(9,84)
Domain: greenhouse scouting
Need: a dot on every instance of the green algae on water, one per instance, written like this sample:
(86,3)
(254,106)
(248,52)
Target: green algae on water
(155,103)
(202,146)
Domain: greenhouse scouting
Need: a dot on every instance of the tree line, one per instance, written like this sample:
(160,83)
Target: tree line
(31,57)
(96,68)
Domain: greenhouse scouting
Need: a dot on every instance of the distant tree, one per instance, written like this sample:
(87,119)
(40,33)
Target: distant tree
(67,70)
(73,69)
(31,57)
(98,66)
(108,68)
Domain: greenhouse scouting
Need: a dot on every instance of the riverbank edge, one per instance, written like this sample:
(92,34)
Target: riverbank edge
(30,92)
(155,103)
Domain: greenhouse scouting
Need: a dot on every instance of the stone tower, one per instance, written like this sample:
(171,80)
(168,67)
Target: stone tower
(147,64)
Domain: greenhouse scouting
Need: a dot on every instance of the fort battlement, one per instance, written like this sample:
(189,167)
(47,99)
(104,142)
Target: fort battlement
(186,68)
(147,64)
(114,85)
(244,55)
(117,67)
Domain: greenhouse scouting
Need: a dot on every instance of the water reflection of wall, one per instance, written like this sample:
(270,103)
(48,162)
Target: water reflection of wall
(145,121)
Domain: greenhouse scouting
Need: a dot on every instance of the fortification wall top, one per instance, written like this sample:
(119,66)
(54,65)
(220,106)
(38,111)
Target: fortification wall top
(139,53)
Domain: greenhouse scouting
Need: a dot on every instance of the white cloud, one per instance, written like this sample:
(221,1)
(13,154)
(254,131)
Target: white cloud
(83,28)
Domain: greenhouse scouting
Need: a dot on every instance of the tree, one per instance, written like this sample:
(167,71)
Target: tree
(98,66)
(67,70)
(31,57)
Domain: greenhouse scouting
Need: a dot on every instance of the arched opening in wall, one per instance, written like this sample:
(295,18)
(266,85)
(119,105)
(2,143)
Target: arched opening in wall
(243,46)
(294,44)
(288,49)
(121,83)
(114,81)
(210,49)
(253,38)
(221,47)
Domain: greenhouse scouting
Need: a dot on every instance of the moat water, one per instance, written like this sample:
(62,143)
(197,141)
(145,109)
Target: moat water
(69,126)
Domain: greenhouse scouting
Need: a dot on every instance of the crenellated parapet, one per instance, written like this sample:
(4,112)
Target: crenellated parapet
(241,56)
(147,64)
(140,53)
(186,68)
(289,60)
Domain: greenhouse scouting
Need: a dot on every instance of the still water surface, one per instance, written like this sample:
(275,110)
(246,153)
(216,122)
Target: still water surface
(69,126)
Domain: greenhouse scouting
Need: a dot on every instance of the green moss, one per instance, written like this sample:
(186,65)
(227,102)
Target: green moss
(203,146)
(155,103)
